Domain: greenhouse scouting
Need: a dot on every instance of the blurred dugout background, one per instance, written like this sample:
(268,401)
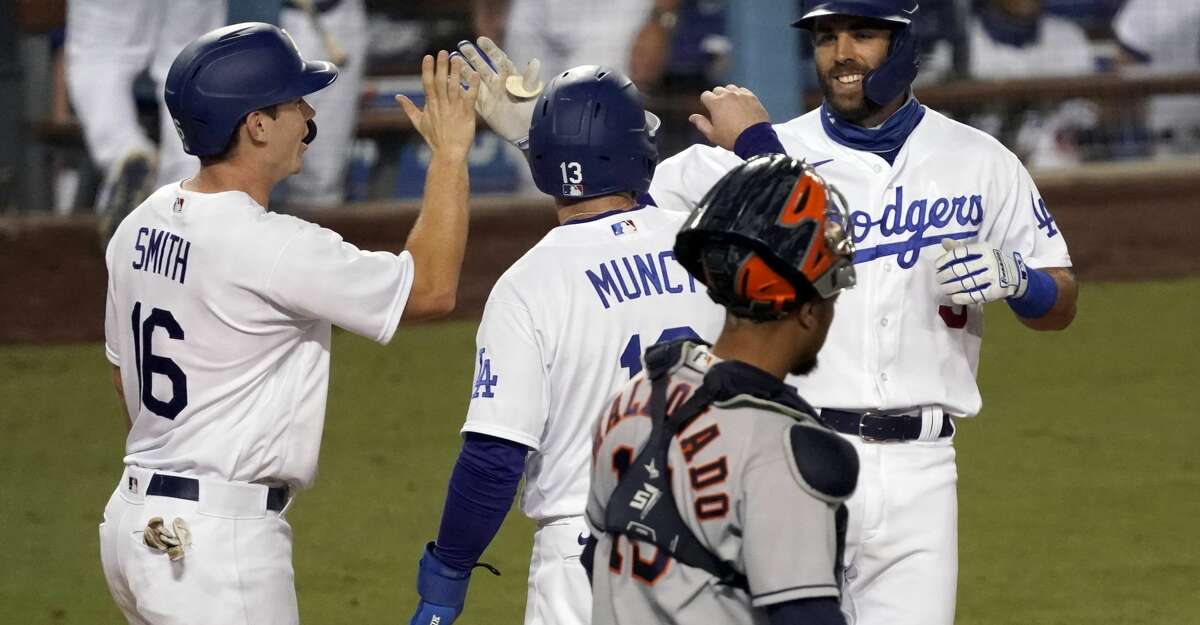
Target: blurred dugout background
(1064,83)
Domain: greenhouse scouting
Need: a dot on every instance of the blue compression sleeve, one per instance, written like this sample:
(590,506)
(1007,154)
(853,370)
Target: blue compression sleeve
(758,139)
(1039,298)
(818,611)
(481,491)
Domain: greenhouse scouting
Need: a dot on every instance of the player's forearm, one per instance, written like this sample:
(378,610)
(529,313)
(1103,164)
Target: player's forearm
(481,491)
(439,238)
(1062,313)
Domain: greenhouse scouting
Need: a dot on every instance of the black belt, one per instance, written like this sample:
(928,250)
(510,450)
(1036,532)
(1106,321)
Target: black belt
(189,488)
(880,427)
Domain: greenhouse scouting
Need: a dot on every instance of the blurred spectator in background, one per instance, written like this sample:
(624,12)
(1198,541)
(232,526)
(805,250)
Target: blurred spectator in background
(1163,37)
(939,34)
(322,182)
(1016,39)
(566,33)
(1013,39)
(109,43)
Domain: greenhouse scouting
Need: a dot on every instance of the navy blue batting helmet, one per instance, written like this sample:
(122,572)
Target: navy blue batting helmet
(892,78)
(590,135)
(231,72)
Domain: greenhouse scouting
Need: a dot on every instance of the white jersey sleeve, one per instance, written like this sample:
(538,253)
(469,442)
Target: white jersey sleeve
(682,180)
(317,275)
(112,336)
(1023,223)
(510,388)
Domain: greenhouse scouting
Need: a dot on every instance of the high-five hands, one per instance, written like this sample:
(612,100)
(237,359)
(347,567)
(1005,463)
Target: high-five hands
(506,97)
(447,122)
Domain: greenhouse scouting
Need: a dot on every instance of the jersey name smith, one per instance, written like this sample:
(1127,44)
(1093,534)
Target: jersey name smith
(161,252)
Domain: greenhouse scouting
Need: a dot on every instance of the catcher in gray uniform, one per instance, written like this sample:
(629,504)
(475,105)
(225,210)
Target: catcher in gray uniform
(716,495)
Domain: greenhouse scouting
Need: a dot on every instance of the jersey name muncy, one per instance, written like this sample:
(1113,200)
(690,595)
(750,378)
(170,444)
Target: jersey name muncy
(629,278)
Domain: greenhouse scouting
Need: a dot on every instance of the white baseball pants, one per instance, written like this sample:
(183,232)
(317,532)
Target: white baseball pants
(559,592)
(238,570)
(902,540)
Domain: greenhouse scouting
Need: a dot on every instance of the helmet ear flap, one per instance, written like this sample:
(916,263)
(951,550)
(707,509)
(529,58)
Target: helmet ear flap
(757,282)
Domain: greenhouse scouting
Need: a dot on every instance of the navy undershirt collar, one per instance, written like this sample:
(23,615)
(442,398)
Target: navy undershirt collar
(885,139)
(1006,29)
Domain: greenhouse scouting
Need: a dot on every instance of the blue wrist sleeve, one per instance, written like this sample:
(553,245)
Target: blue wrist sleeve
(758,139)
(439,583)
(1039,297)
(481,491)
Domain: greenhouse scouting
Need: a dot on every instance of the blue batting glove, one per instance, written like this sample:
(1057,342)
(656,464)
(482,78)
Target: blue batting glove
(443,591)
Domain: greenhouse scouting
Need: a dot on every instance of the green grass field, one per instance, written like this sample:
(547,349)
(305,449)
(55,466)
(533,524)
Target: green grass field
(1079,486)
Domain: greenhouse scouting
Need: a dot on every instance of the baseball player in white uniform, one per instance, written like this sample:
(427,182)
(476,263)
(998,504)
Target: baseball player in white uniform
(562,329)
(1163,37)
(717,496)
(945,219)
(218,328)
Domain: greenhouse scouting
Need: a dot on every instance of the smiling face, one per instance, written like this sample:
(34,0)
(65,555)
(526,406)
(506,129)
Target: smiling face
(845,48)
(290,126)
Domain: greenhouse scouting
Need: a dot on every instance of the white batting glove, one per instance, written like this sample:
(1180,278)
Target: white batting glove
(974,273)
(506,96)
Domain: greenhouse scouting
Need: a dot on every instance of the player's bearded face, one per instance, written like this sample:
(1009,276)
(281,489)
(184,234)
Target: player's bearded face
(845,48)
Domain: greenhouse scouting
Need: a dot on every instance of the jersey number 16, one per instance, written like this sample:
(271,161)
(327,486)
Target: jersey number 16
(148,363)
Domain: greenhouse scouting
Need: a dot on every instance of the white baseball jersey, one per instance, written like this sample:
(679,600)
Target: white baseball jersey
(1168,32)
(893,344)
(564,328)
(219,317)
(737,485)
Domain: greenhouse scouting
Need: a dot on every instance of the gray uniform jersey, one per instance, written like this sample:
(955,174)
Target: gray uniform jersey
(750,484)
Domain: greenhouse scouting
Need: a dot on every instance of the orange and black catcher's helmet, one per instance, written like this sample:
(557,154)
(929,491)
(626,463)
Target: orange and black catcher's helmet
(769,236)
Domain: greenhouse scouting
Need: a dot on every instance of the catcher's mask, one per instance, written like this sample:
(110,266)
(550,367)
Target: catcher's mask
(769,236)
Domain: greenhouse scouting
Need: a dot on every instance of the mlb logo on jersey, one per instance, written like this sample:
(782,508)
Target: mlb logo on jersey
(623,227)
(178,207)
(573,190)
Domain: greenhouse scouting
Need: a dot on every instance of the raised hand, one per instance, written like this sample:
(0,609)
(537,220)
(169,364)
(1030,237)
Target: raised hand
(506,97)
(447,122)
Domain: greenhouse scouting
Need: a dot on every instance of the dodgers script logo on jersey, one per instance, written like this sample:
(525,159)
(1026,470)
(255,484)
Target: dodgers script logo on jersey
(913,222)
